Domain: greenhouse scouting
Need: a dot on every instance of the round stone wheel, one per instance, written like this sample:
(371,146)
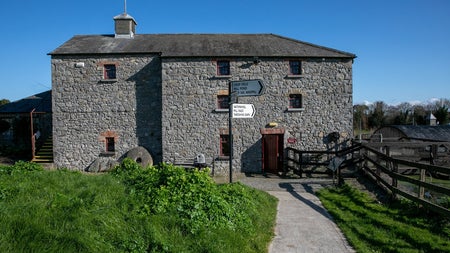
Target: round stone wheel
(141,156)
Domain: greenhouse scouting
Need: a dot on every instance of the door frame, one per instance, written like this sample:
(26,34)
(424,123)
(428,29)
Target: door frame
(280,147)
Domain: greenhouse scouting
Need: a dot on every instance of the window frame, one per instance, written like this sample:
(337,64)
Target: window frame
(294,99)
(298,67)
(106,71)
(224,139)
(223,102)
(219,68)
(110,141)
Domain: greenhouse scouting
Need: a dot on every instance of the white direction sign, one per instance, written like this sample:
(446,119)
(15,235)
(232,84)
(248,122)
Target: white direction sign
(247,88)
(243,111)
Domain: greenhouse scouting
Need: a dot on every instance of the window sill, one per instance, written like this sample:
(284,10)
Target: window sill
(294,76)
(223,77)
(107,154)
(108,81)
(295,109)
(224,110)
(223,158)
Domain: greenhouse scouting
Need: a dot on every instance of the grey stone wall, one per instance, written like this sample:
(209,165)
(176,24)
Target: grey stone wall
(169,106)
(191,126)
(86,108)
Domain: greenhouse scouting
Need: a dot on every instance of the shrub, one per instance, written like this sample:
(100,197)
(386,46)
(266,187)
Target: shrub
(190,194)
(20,167)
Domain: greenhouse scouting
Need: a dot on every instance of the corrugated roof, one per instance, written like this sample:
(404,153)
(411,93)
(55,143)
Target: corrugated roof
(429,133)
(198,45)
(41,102)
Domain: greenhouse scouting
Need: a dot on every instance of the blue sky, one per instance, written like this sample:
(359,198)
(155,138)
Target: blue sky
(402,46)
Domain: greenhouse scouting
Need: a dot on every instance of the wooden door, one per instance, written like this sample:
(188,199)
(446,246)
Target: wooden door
(272,153)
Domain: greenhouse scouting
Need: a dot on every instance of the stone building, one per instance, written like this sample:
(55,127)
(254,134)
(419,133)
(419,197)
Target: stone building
(169,94)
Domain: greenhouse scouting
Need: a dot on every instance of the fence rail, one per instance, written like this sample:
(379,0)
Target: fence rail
(384,169)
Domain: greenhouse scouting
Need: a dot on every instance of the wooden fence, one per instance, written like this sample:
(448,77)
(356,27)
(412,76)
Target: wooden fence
(387,171)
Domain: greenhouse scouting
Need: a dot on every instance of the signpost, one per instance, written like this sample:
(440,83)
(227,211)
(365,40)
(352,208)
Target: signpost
(237,89)
(243,111)
(247,88)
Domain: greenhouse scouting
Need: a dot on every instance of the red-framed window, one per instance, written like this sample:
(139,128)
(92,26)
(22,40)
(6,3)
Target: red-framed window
(224,145)
(223,68)
(110,144)
(223,102)
(295,67)
(109,71)
(295,101)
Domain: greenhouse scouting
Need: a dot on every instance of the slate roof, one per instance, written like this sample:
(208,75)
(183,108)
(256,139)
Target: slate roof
(427,133)
(198,45)
(42,102)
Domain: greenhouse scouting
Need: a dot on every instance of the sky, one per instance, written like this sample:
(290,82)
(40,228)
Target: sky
(402,46)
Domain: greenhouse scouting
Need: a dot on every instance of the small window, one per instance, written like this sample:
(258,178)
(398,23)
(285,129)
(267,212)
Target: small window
(110,145)
(109,71)
(223,102)
(295,101)
(224,145)
(295,68)
(223,68)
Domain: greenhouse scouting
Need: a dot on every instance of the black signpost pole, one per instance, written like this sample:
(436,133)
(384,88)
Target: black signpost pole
(230,131)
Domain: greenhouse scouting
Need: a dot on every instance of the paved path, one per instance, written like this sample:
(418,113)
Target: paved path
(302,225)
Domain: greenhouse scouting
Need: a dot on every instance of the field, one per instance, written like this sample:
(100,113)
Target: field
(132,209)
(398,226)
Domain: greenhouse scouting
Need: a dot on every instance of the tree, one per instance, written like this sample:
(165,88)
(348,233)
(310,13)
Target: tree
(377,117)
(419,115)
(360,120)
(441,114)
(4,101)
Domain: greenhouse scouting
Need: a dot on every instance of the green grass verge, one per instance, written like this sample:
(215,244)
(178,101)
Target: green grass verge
(156,209)
(373,227)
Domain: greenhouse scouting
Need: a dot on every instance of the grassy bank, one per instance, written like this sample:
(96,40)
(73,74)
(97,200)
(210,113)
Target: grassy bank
(373,227)
(156,209)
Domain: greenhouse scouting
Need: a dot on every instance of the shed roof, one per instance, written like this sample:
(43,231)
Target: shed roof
(198,45)
(427,133)
(41,102)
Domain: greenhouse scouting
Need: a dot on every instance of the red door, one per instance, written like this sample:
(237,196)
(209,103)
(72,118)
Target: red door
(272,153)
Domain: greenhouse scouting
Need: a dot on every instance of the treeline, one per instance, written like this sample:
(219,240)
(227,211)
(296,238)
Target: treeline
(375,115)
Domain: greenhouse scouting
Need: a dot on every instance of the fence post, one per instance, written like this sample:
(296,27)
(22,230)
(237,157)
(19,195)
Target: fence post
(433,153)
(422,179)
(394,180)
(387,151)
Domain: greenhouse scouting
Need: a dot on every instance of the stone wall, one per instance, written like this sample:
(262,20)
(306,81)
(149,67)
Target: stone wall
(87,108)
(168,105)
(191,125)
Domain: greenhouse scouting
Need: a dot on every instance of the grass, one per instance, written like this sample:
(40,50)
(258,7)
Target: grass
(66,211)
(373,227)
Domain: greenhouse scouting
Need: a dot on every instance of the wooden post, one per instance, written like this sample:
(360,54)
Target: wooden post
(394,180)
(33,139)
(433,153)
(365,163)
(388,154)
(421,188)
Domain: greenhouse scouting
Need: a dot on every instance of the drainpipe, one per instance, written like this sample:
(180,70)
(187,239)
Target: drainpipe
(33,140)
